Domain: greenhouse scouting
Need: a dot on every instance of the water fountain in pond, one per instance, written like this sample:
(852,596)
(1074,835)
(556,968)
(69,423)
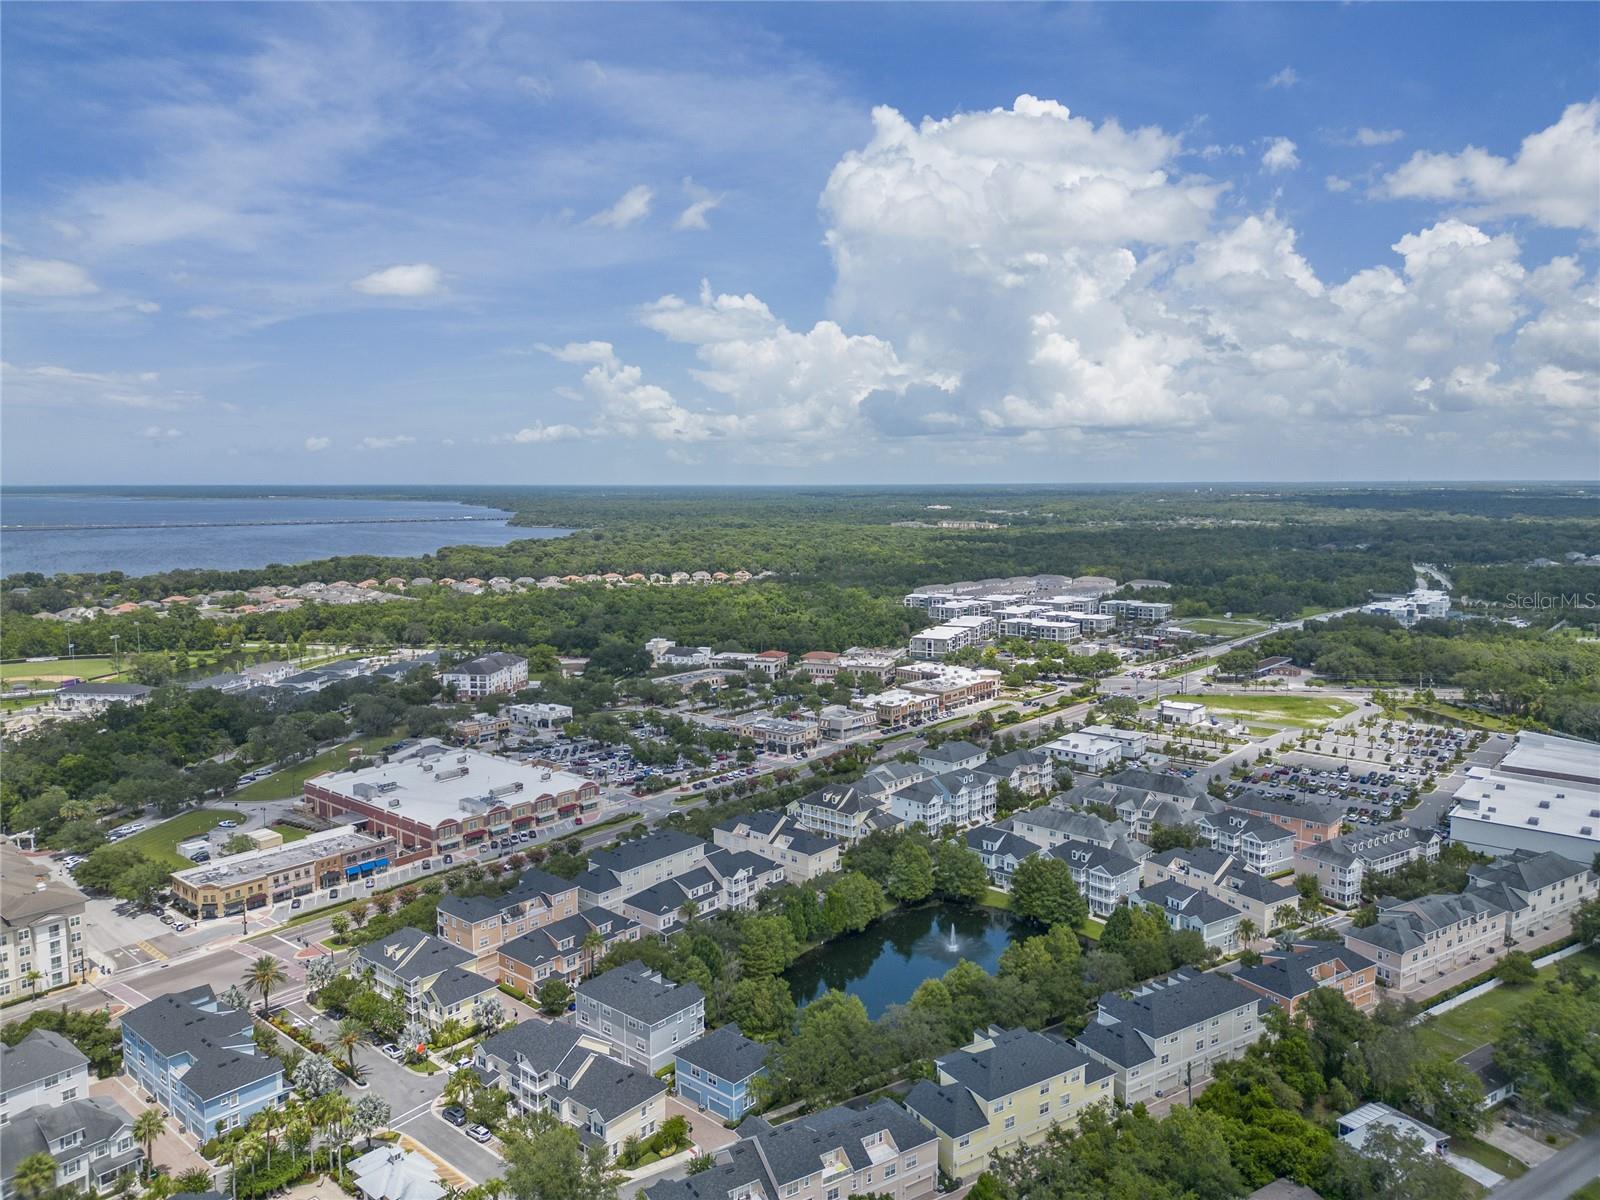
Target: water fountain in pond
(953,942)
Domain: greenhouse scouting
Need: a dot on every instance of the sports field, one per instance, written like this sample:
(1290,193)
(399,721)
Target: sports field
(56,670)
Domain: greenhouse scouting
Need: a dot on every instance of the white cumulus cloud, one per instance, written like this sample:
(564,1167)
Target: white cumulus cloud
(1554,178)
(1285,78)
(539,433)
(316,444)
(406,279)
(1280,155)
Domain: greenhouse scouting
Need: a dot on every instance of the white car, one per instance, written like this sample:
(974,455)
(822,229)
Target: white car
(227,824)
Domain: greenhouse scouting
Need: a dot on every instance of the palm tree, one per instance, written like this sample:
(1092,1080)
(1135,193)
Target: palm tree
(32,978)
(261,976)
(267,1122)
(147,1127)
(340,1108)
(348,1038)
(34,1176)
(1247,931)
(593,943)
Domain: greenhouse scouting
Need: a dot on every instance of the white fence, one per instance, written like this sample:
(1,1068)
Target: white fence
(1473,993)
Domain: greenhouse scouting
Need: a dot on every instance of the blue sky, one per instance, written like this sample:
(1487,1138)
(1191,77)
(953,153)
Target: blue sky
(815,243)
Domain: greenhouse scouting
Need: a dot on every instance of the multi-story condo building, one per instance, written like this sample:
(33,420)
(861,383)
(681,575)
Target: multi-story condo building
(441,799)
(644,1017)
(481,924)
(426,974)
(1344,865)
(1287,977)
(950,756)
(96,698)
(1105,877)
(843,812)
(615,874)
(1085,752)
(936,641)
(879,1149)
(1141,612)
(1029,772)
(1190,908)
(489,675)
(779,837)
(42,1070)
(1268,903)
(1006,1088)
(551,1067)
(1255,842)
(1134,742)
(1165,1035)
(1538,889)
(567,949)
(198,1059)
(226,887)
(1141,810)
(1050,826)
(1311,821)
(90,1139)
(715,1072)
(953,800)
(725,879)
(41,928)
(838,722)
(1001,850)
(1419,940)
(1162,783)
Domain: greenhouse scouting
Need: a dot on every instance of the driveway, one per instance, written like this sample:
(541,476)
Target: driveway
(1559,1177)
(1476,1172)
(173,1149)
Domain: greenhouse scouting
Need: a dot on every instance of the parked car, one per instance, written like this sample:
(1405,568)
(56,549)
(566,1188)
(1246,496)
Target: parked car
(229,824)
(390,1050)
(479,1133)
(455,1115)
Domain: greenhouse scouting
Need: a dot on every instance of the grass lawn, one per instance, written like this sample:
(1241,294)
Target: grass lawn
(1478,1020)
(626,818)
(1306,712)
(1441,713)
(291,781)
(160,843)
(291,833)
(1092,929)
(995,898)
(57,669)
(1485,1155)
(1589,1191)
(1220,627)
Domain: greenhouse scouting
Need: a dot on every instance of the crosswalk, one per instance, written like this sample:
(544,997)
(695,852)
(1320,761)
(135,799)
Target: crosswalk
(155,952)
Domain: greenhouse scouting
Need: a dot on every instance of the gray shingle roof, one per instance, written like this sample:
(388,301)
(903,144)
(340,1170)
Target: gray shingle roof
(635,990)
(540,945)
(531,885)
(1405,926)
(218,1038)
(1155,1009)
(1171,896)
(725,1053)
(486,664)
(35,1130)
(663,843)
(1084,857)
(1157,781)
(612,1088)
(950,752)
(41,1054)
(951,1110)
(456,984)
(412,954)
(1290,975)
(1019,1058)
(1253,800)
(1525,871)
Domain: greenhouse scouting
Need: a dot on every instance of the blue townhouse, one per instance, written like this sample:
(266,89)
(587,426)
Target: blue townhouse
(714,1072)
(194,1055)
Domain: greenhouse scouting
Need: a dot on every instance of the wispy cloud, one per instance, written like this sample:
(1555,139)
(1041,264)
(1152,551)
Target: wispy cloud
(385,443)
(634,206)
(45,277)
(318,444)
(407,279)
(1286,78)
(701,202)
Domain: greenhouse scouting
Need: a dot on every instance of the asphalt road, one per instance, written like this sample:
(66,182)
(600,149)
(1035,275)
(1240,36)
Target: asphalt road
(1559,1177)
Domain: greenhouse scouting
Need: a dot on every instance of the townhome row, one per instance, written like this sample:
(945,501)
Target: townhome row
(1345,864)
(653,879)
(1520,895)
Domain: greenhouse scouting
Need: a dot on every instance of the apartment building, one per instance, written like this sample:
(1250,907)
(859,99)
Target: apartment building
(1165,1035)
(552,1067)
(1004,1089)
(1344,865)
(1187,908)
(839,722)
(715,1072)
(842,812)
(781,838)
(1001,850)
(441,799)
(1287,977)
(226,887)
(936,641)
(1050,826)
(41,927)
(620,872)
(1105,877)
(426,974)
(42,1070)
(1269,904)
(1256,843)
(1029,772)
(1134,742)
(1416,941)
(726,879)
(878,1149)
(1538,890)
(1311,821)
(952,800)
(643,1016)
(489,675)
(481,924)
(1163,783)
(1141,810)
(198,1059)
(93,699)
(90,1139)
(567,949)
(1137,612)
(950,756)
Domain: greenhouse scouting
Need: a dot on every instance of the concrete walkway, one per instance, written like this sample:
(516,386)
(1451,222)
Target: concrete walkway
(1529,1150)
(172,1149)
(1559,1177)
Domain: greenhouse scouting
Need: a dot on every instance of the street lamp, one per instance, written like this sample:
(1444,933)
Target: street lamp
(116,655)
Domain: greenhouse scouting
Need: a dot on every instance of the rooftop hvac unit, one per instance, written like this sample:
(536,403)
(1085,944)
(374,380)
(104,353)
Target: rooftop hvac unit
(427,766)
(395,803)
(461,758)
